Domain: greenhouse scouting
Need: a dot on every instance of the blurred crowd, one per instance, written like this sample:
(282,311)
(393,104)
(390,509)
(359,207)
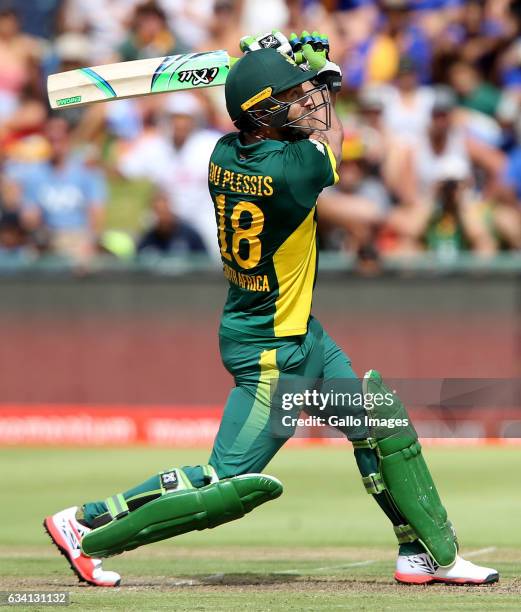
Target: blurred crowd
(431,109)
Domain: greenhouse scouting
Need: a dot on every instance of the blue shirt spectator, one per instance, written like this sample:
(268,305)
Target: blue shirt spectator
(63,195)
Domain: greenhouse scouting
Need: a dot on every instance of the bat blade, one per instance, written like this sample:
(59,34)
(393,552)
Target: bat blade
(137,78)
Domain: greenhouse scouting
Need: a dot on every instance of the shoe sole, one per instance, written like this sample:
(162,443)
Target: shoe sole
(416,579)
(50,531)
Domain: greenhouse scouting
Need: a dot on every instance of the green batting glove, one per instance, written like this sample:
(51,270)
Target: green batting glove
(317,42)
(246,43)
(274,40)
(296,46)
(316,59)
(315,49)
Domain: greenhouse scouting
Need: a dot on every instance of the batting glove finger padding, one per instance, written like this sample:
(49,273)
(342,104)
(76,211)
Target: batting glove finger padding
(274,40)
(313,49)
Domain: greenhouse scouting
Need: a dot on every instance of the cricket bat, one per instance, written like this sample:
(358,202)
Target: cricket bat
(138,78)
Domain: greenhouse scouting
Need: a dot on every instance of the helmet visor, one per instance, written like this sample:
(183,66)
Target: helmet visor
(273,112)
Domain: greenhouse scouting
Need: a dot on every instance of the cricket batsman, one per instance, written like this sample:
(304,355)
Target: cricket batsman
(264,180)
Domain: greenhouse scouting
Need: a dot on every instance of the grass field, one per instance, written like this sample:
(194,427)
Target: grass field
(323,545)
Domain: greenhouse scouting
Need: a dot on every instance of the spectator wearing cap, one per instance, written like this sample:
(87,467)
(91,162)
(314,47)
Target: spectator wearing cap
(62,195)
(176,161)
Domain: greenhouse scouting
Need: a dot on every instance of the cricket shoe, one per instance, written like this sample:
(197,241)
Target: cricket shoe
(422,569)
(67,532)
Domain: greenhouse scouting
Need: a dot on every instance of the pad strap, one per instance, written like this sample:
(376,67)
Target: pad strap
(367,443)
(405,534)
(173,480)
(374,483)
(117,506)
(210,473)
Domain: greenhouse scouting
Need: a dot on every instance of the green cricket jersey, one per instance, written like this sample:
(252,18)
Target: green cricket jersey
(264,196)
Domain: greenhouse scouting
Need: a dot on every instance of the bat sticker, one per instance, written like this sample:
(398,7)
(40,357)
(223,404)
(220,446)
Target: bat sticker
(200,76)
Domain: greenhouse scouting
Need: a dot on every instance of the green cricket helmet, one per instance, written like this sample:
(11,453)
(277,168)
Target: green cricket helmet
(255,80)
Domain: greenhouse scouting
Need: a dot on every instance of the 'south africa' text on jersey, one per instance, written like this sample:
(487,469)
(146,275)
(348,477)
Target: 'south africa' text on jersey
(256,282)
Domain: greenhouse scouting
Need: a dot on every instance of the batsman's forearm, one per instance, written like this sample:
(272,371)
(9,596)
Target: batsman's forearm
(337,131)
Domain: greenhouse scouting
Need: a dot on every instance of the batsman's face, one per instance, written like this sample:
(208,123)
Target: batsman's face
(300,103)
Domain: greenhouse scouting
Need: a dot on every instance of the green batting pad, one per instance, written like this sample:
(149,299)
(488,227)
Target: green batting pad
(412,489)
(182,511)
(406,476)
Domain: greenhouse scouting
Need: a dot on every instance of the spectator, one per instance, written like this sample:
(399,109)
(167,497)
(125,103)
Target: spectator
(485,27)
(224,29)
(370,55)
(473,91)
(150,35)
(403,26)
(453,226)
(19,54)
(105,23)
(384,150)
(351,211)
(407,105)
(444,153)
(13,237)
(27,120)
(70,51)
(395,53)
(63,195)
(178,165)
(39,19)
(10,196)
(169,235)
(192,18)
